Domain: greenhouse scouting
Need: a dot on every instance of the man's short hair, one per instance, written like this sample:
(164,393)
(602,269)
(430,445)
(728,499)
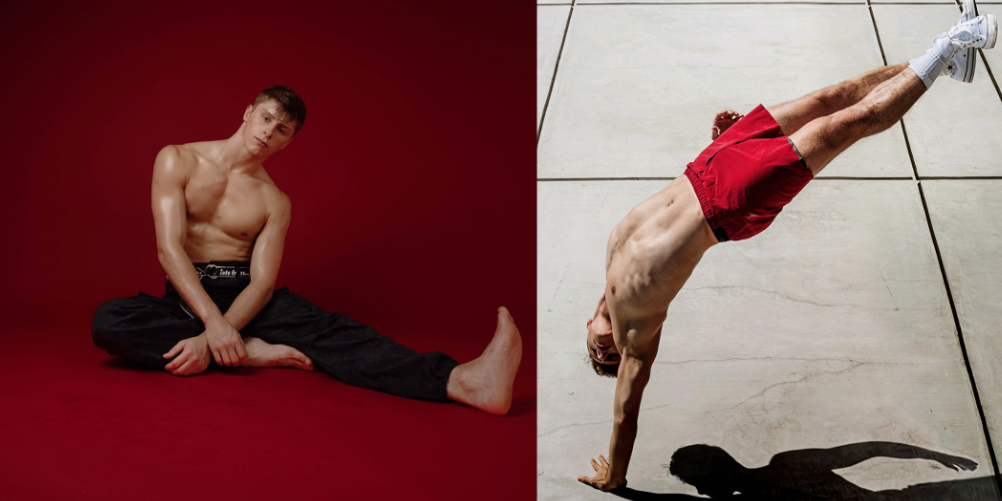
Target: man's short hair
(607,370)
(289,104)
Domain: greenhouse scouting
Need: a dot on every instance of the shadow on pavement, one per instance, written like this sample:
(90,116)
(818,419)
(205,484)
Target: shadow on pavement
(809,474)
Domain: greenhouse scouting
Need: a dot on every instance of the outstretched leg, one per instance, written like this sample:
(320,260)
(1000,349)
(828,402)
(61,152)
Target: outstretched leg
(792,115)
(356,354)
(822,139)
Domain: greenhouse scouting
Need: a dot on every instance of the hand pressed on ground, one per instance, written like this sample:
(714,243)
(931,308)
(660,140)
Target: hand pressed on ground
(601,480)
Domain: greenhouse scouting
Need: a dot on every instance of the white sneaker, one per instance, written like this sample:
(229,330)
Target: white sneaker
(961,67)
(978,33)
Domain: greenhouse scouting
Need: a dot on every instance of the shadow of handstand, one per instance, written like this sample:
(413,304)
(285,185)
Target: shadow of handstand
(808,474)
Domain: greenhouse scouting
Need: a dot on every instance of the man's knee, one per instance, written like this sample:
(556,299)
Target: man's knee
(857,121)
(832,99)
(104,320)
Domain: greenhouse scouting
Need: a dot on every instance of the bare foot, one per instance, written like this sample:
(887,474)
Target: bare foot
(485,383)
(262,354)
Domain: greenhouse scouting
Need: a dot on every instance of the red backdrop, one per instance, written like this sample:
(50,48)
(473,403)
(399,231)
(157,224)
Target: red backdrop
(412,182)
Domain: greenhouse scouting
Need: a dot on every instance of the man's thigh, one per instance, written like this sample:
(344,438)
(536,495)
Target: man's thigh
(825,138)
(288,318)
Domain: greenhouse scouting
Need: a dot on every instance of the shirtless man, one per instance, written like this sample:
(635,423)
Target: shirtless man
(220,225)
(732,191)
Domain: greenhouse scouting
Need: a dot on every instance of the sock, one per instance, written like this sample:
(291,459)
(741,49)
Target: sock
(930,65)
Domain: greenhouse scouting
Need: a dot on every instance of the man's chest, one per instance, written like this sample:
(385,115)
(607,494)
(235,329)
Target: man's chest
(234,205)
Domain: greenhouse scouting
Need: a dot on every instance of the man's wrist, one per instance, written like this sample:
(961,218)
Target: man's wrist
(215,321)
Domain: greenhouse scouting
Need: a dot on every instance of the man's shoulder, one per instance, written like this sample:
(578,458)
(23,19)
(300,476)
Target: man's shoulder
(269,188)
(196,149)
(277,198)
(185,156)
(176,155)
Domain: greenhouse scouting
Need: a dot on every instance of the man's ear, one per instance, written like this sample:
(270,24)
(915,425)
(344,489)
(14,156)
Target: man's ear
(247,112)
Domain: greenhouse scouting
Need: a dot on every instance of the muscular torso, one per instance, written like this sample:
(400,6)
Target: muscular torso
(225,210)
(650,255)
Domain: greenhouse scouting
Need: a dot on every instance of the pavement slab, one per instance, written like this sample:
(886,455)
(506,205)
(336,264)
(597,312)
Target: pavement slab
(830,328)
(551,20)
(969,234)
(638,85)
(952,117)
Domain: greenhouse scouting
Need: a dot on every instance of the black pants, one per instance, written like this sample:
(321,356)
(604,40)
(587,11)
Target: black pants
(142,328)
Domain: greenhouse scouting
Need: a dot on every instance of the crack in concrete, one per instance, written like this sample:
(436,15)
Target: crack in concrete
(855,365)
(572,425)
(562,277)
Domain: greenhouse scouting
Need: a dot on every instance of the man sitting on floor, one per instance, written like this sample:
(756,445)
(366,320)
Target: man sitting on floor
(220,226)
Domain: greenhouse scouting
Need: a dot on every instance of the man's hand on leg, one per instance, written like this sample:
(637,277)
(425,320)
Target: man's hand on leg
(226,344)
(193,358)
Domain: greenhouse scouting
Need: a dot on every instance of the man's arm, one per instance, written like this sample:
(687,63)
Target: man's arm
(265,260)
(170,217)
(845,456)
(634,373)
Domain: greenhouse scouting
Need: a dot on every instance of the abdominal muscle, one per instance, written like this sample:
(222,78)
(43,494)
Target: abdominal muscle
(207,243)
(652,253)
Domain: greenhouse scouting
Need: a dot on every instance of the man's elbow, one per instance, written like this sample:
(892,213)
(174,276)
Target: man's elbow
(267,286)
(626,419)
(166,252)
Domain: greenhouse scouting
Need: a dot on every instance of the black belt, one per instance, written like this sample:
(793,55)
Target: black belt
(217,271)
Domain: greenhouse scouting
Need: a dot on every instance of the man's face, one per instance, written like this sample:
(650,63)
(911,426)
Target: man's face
(264,132)
(601,346)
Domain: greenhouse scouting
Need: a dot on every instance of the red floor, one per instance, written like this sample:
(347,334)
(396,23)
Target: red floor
(80,424)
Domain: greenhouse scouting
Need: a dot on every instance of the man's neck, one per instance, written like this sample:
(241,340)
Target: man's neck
(235,157)
(602,309)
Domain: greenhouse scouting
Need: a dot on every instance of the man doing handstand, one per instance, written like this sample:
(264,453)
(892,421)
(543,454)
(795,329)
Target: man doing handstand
(732,191)
(220,224)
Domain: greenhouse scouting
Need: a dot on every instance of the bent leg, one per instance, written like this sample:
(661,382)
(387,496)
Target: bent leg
(822,139)
(792,115)
(142,328)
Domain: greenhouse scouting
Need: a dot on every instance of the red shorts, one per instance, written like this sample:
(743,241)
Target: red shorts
(746,177)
